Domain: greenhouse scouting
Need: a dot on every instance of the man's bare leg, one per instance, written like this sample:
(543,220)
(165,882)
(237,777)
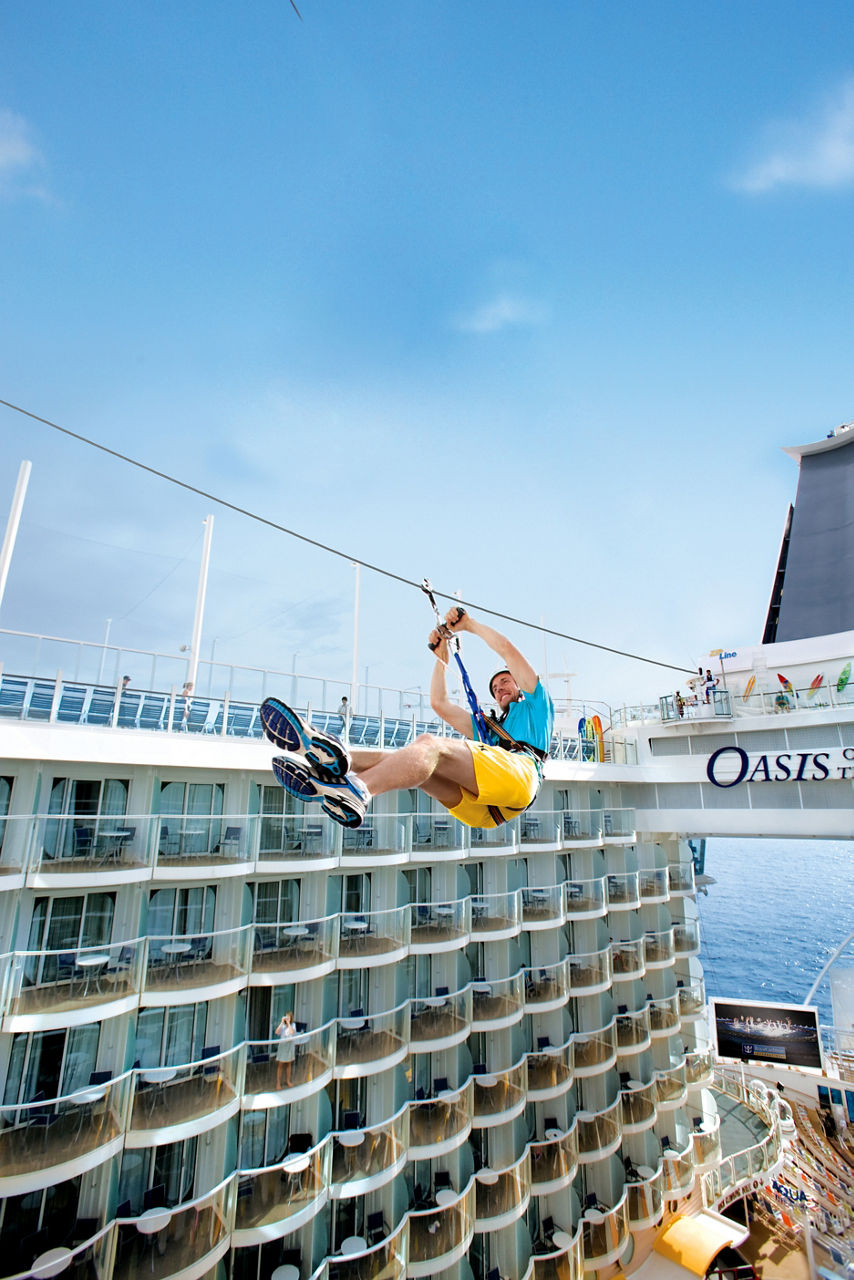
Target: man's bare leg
(441,767)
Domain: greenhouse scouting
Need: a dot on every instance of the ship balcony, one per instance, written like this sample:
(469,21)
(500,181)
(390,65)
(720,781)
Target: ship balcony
(664,1015)
(441,1124)
(181,968)
(605,1234)
(706,1140)
(494,842)
(434,836)
(441,1237)
(554,1163)
(686,938)
(623,891)
(658,949)
(502,1197)
(541,829)
(671,1087)
(495,916)
(640,1106)
(633,1033)
(560,1258)
(586,899)
(440,1021)
(680,878)
(543,908)
(270,1082)
(366,1044)
(590,972)
(439,926)
(175,1102)
(677,1177)
(275,1201)
(108,849)
(595,1051)
(498,1003)
(550,1071)
(16,835)
(699,1068)
(296,842)
(190,1242)
(599,1134)
(692,1000)
(80,1258)
(654,885)
(499,1096)
(365,1159)
(627,959)
(593,825)
(195,846)
(373,938)
(293,952)
(384,1261)
(49,1140)
(46,990)
(645,1199)
(546,987)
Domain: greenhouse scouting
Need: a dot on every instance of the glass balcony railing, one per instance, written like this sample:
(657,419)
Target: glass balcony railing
(313,1060)
(16,839)
(182,840)
(692,999)
(594,824)
(288,947)
(686,938)
(383,1261)
(664,1015)
(433,832)
(590,972)
(171,1095)
(639,1106)
(677,1178)
(88,1258)
(623,890)
(654,885)
(88,844)
(550,1068)
(437,1234)
(363,1040)
(627,959)
(547,984)
(440,1017)
(586,897)
(554,1160)
(61,982)
(498,1092)
(502,1193)
(267,1198)
(595,1050)
(632,1031)
(439,922)
(498,1000)
(598,1133)
(680,877)
(441,1119)
(553,1260)
(706,1139)
(605,1233)
(179,1236)
(283,837)
(699,1067)
(51,1131)
(542,908)
(497,914)
(377,1152)
(177,962)
(366,935)
(671,1086)
(658,948)
(645,1200)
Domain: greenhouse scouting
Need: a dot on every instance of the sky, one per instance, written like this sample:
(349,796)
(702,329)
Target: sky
(523,298)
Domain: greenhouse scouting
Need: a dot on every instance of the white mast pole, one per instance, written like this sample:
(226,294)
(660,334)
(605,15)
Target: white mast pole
(12,524)
(354,678)
(200,601)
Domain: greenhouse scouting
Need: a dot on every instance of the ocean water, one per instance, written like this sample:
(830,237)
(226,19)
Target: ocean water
(778,911)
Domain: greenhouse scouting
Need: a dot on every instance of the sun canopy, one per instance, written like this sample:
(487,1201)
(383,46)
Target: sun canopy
(694,1242)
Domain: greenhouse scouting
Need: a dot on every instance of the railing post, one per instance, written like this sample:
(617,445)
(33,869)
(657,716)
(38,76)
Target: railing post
(55,700)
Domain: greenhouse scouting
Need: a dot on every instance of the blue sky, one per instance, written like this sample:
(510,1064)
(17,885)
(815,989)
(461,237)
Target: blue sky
(523,298)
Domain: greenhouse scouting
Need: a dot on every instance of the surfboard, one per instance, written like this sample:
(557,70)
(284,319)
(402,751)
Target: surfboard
(582,734)
(844,677)
(590,739)
(786,683)
(815,685)
(748,688)
(600,738)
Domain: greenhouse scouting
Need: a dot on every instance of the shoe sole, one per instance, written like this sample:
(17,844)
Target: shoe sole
(326,757)
(299,782)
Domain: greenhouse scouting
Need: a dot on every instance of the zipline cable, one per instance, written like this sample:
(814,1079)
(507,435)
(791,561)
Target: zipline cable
(322,546)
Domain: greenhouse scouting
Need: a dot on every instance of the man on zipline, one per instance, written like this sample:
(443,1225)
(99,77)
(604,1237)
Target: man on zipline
(482,784)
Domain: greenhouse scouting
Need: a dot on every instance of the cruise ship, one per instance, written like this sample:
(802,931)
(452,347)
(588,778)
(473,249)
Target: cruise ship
(502,1066)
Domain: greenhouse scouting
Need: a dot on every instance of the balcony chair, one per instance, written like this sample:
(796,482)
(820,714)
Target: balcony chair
(245,1190)
(547,1226)
(124,1210)
(440,1085)
(625,1077)
(200,948)
(591,1201)
(299,1144)
(550,1122)
(442,991)
(420,1198)
(230,842)
(494,1274)
(352,1120)
(100,1077)
(83,841)
(66,969)
(420,1095)
(543,1043)
(155,1197)
(441,1181)
(479,1069)
(376,1228)
(666,1144)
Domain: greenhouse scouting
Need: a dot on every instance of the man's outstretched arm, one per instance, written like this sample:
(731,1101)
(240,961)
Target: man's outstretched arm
(517,664)
(448,711)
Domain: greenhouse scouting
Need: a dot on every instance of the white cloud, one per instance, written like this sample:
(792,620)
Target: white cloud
(817,151)
(19,158)
(502,312)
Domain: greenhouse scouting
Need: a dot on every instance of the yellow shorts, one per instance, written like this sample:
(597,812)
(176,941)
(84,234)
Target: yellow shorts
(507,780)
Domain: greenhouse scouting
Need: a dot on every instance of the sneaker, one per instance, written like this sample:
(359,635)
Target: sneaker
(345,800)
(326,757)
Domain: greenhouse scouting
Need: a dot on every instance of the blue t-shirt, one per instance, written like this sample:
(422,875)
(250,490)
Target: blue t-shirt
(530,720)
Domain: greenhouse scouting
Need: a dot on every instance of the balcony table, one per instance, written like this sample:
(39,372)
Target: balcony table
(488,1081)
(354,1244)
(153,1221)
(85,1099)
(159,1077)
(645,1171)
(553,1134)
(286,1272)
(487,1176)
(295,1166)
(562,1240)
(295,932)
(594,1215)
(351,1139)
(174,951)
(93,964)
(113,842)
(445,1197)
(51,1263)
(186,838)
